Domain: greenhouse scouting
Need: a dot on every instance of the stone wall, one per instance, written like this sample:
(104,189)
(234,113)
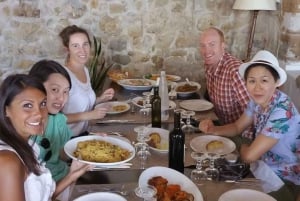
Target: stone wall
(140,36)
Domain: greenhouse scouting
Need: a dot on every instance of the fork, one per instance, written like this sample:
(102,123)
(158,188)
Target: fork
(117,133)
(121,191)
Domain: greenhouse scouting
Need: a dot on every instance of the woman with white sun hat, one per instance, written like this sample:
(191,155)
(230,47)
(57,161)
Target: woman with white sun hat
(276,142)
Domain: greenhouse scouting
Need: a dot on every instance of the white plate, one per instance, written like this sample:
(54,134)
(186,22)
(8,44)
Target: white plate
(71,145)
(101,196)
(187,93)
(199,143)
(154,76)
(196,105)
(245,195)
(110,106)
(172,104)
(173,177)
(136,84)
(164,135)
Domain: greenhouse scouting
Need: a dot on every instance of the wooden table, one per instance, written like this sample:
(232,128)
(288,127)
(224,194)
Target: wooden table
(98,180)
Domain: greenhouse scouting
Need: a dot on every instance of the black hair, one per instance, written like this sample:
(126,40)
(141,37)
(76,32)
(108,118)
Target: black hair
(10,88)
(274,73)
(44,68)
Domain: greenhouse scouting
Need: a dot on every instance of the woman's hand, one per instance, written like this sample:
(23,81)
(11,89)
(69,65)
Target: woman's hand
(98,113)
(206,126)
(78,168)
(108,94)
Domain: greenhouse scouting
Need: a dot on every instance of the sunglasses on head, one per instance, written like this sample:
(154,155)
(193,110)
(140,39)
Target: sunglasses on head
(45,143)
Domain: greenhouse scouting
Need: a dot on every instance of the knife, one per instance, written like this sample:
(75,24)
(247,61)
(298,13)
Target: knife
(110,167)
(114,121)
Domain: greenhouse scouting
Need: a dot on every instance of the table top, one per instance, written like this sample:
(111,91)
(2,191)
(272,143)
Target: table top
(104,180)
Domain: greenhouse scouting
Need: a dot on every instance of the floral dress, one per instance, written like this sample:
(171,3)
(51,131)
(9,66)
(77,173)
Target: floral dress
(281,121)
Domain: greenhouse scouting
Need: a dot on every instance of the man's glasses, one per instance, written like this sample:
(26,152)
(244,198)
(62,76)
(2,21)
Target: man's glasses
(45,143)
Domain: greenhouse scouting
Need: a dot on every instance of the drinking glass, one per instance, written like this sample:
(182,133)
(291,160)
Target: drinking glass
(212,172)
(147,192)
(188,128)
(145,111)
(198,175)
(173,93)
(181,116)
(141,147)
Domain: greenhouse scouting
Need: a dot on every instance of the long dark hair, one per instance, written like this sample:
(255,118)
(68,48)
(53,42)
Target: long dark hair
(10,88)
(44,68)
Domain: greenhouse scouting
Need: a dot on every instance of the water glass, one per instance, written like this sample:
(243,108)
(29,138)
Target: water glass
(198,175)
(147,192)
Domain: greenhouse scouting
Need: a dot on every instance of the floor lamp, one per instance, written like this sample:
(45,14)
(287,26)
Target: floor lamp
(255,6)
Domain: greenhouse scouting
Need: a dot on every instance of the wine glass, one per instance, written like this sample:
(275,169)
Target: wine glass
(173,93)
(141,147)
(147,192)
(146,108)
(212,172)
(198,175)
(188,128)
(181,116)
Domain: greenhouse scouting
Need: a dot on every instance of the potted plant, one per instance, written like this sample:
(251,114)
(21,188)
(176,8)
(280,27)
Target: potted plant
(98,67)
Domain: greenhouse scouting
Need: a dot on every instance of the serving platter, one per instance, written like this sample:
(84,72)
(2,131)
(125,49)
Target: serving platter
(173,177)
(245,195)
(154,76)
(196,105)
(185,89)
(71,145)
(101,196)
(115,107)
(136,84)
(138,101)
(164,143)
(199,144)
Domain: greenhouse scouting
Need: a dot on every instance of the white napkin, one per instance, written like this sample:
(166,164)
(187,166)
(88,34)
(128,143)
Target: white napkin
(270,181)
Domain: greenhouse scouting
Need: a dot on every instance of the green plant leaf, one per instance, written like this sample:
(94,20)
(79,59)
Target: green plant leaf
(98,67)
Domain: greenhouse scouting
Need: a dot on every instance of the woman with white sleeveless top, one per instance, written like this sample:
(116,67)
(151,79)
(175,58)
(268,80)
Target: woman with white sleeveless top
(23,113)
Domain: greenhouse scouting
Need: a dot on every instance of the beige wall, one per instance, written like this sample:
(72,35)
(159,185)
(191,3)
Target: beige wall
(138,35)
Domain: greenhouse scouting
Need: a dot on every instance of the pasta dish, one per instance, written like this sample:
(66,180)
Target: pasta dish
(100,151)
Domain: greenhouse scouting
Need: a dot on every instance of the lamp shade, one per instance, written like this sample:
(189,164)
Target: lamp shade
(254,5)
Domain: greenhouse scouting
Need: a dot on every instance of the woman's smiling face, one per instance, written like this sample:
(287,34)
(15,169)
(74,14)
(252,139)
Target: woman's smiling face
(28,112)
(261,85)
(58,88)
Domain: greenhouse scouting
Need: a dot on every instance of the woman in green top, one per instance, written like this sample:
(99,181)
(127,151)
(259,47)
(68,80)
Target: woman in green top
(57,82)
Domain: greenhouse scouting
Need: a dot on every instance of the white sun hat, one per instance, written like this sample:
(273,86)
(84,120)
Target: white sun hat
(267,58)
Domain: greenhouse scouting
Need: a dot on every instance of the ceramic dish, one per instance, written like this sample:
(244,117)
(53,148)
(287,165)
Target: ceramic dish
(136,84)
(183,88)
(245,195)
(164,143)
(101,196)
(116,75)
(196,105)
(138,101)
(199,144)
(115,107)
(173,177)
(71,145)
(154,76)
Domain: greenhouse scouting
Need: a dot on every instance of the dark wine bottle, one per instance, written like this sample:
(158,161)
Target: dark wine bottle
(156,108)
(176,145)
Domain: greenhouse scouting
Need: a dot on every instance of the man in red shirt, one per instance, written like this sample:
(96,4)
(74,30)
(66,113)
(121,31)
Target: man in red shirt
(225,87)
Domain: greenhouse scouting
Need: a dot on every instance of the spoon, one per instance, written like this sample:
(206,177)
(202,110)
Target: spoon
(188,81)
